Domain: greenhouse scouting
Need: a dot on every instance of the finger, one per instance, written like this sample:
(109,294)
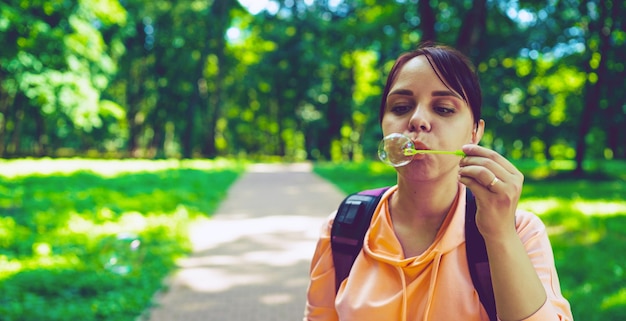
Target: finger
(479,190)
(479,176)
(493,183)
(476,153)
(493,163)
(484,170)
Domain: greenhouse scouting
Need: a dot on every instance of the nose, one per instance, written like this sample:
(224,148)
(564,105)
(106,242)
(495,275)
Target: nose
(419,121)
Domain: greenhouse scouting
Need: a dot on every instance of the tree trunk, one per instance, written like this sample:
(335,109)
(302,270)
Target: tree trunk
(135,93)
(209,149)
(339,108)
(473,29)
(333,128)
(614,137)
(614,114)
(134,74)
(18,119)
(220,20)
(593,91)
(6,101)
(271,144)
(215,109)
(133,102)
(40,132)
(157,143)
(428,20)
(187,141)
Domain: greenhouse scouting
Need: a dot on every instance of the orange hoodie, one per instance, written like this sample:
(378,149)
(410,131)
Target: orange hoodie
(434,286)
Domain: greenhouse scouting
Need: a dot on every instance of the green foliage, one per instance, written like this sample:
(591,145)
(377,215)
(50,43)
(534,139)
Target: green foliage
(586,220)
(586,248)
(189,78)
(61,233)
(351,177)
(60,61)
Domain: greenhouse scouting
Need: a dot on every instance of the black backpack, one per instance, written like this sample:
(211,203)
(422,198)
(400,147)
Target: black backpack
(353,219)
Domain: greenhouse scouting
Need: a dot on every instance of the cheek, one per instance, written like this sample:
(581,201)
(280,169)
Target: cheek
(388,126)
(468,138)
(457,136)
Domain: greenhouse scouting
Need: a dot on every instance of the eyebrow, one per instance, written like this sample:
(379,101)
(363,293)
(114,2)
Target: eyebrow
(438,93)
(445,93)
(404,92)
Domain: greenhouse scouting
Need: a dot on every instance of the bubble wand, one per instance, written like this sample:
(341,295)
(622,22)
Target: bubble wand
(411,152)
(398,150)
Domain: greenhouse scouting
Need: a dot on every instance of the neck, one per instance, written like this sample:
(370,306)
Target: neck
(423,202)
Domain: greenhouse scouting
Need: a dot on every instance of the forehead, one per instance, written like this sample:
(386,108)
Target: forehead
(417,71)
(418,74)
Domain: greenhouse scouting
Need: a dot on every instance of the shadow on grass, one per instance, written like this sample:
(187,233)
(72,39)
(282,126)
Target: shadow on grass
(43,205)
(52,228)
(588,234)
(80,293)
(591,265)
(85,193)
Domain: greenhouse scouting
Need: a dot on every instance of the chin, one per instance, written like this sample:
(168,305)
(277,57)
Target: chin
(423,170)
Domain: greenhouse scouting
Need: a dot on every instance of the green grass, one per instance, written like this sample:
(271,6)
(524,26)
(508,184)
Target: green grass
(60,219)
(586,219)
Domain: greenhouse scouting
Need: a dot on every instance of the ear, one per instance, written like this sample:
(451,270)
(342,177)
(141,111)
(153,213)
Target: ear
(478,132)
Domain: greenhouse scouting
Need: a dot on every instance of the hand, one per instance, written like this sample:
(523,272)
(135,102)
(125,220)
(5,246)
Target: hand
(497,186)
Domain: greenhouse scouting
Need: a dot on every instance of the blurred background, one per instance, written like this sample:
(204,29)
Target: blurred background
(124,121)
(298,79)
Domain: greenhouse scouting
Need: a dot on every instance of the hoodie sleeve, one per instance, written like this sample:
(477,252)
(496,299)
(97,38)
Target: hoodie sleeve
(320,305)
(533,234)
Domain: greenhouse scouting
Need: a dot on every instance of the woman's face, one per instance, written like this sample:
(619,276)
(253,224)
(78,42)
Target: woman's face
(420,106)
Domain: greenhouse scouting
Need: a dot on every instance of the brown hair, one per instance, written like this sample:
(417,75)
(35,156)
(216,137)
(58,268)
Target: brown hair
(452,67)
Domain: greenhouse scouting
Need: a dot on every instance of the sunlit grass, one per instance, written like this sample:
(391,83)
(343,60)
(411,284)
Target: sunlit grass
(586,220)
(59,219)
(102,167)
(615,299)
(586,207)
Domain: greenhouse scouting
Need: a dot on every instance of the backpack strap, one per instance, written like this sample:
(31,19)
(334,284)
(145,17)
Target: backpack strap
(477,259)
(349,227)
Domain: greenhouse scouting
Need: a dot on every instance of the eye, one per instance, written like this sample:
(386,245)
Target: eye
(400,109)
(444,110)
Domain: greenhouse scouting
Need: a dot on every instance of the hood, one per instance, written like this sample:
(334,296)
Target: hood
(382,244)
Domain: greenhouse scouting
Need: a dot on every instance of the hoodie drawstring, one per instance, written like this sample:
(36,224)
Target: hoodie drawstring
(404,293)
(431,286)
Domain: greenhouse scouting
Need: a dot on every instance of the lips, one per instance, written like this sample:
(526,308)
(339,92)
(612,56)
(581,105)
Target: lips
(420,146)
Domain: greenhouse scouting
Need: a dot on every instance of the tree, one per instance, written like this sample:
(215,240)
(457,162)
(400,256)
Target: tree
(56,71)
(598,47)
(301,79)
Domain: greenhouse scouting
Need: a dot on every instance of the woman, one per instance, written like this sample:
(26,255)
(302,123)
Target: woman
(413,262)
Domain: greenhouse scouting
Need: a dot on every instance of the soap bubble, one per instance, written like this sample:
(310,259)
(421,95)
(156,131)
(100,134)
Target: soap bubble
(392,147)
(121,254)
